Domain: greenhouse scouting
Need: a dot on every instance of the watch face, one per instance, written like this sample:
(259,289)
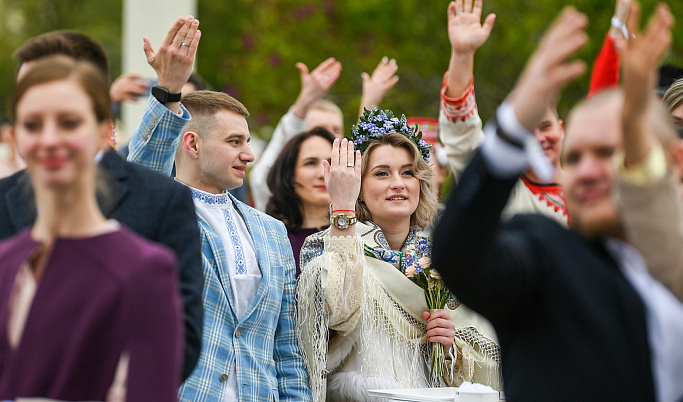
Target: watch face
(160,93)
(342,221)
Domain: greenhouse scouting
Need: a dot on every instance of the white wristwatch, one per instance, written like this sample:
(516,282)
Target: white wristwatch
(343,221)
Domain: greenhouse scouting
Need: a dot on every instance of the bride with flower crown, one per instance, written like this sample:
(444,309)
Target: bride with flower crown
(362,323)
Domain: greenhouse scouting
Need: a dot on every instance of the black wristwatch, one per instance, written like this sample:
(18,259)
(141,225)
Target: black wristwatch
(163,96)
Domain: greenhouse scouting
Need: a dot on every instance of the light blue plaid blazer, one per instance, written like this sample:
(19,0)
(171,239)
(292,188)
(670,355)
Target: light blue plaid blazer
(263,344)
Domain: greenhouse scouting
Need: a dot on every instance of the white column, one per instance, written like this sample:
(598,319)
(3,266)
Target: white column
(150,18)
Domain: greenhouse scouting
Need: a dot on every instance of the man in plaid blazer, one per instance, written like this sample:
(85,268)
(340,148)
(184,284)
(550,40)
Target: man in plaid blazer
(249,347)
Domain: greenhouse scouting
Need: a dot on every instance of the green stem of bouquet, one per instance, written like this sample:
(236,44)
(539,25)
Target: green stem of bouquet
(436,298)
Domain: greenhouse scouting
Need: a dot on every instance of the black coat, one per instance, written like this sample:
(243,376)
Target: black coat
(571,327)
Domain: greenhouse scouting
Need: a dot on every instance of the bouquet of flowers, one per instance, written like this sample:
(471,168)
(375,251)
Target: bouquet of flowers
(419,270)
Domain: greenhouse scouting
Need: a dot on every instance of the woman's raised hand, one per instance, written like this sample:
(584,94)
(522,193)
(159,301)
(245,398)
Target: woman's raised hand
(342,175)
(376,85)
(465,31)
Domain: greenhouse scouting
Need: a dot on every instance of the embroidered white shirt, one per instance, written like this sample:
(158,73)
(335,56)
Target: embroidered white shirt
(244,273)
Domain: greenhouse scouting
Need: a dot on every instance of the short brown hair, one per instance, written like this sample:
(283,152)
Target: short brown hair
(76,45)
(203,105)
(426,206)
(55,68)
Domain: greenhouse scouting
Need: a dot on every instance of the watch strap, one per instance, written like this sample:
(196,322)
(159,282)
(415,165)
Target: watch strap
(163,96)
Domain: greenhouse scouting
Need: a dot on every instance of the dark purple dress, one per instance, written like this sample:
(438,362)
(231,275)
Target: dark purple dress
(297,240)
(98,297)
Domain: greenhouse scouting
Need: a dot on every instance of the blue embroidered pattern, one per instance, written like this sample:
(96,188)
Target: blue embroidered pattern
(223,199)
(241,268)
(211,199)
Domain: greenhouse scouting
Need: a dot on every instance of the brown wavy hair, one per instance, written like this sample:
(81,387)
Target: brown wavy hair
(54,68)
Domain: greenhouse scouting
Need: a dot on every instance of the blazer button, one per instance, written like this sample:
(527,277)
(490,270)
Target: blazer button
(238,333)
(224,377)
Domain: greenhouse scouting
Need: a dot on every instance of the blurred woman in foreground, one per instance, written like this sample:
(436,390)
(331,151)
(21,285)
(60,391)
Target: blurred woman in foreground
(88,309)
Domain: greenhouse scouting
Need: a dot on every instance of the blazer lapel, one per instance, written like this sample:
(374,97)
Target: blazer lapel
(115,166)
(20,203)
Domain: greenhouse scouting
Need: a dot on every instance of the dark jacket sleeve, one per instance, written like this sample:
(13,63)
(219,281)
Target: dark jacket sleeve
(180,232)
(485,263)
(17,207)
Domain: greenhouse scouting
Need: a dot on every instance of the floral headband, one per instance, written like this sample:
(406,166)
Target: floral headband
(377,122)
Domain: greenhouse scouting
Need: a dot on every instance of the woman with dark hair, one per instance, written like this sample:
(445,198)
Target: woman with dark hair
(299,196)
(88,309)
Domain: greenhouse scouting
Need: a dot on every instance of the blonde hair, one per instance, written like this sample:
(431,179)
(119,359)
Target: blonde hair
(426,205)
(673,97)
(328,106)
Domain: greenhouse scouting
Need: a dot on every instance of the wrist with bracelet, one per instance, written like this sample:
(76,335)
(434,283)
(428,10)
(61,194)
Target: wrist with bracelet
(342,220)
(343,210)
(621,27)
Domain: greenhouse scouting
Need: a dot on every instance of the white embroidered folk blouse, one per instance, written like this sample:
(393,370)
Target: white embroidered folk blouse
(244,273)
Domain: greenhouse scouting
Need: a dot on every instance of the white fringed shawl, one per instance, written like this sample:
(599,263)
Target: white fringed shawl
(368,305)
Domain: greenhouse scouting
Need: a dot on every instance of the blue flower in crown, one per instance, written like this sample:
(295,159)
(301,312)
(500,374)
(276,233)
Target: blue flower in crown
(377,122)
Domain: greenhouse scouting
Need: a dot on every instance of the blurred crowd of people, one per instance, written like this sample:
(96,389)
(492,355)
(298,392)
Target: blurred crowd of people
(534,255)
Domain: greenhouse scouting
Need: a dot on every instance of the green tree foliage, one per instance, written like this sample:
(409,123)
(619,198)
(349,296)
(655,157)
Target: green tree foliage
(23,19)
(249,47)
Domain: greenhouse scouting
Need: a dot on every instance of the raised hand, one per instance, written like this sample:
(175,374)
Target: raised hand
(549,68)
(641,53)
(128,87)
(466,34)
(375,86)
(342,177)
(316,84)
(465,30)
(640,57)
(621,11)
(174,61)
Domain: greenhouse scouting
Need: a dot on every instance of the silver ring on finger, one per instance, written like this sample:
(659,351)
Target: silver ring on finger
(458,12)
(350,164)
(184,44)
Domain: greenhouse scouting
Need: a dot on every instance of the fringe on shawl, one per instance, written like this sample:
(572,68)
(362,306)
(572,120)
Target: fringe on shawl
(383,322)
(312,324)
(475,359)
